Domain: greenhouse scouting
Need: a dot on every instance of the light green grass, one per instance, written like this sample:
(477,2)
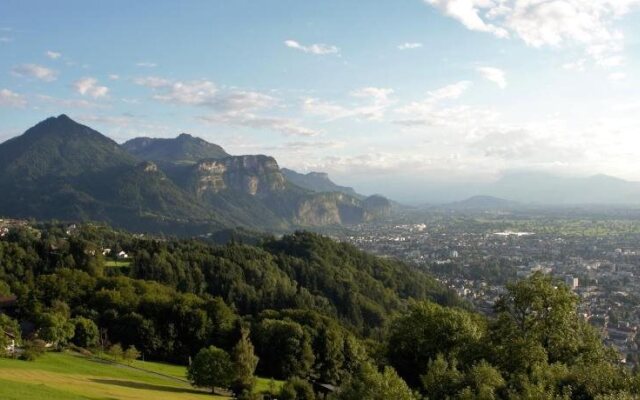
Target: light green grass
(263,385)
(176,371)
(117,264)
(73,376)
(11,390)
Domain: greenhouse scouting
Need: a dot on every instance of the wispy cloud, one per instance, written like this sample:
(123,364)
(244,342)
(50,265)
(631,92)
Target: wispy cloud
(5,39)
(194,93)
(54,55)
(146,64)
(316,48)
(66,103)
(495,75)
(232,107)
(285,126)
(409,46)
(375,102)
(89,87)
(11,99)
(35,71)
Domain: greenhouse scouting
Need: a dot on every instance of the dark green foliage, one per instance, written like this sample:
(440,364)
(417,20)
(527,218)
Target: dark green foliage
(211,368)
(297,389)
(85,332)
(284,349)
(244,366)
(370,384)
(184,148)
(428,329)
(33,349)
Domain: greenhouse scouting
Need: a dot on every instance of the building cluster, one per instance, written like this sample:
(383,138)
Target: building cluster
(602,270)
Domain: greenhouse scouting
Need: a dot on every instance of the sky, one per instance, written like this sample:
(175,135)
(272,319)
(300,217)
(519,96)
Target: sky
(384,95)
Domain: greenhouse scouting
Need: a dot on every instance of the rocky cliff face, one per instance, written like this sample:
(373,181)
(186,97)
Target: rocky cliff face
(320,209)
(376,206)
(256,175)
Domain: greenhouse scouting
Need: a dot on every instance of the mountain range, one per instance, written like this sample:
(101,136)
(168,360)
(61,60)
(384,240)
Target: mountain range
(60,169)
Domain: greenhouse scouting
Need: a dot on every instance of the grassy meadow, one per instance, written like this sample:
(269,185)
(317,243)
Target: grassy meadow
(71,376)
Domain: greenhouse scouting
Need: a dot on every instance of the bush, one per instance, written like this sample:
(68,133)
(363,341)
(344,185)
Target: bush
(211,368)
(297,389)
(33,349)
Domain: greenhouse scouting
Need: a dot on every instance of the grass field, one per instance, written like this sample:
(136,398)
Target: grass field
(117,264)
(72,376)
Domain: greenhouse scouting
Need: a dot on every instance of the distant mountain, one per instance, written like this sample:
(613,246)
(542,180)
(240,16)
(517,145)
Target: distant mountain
(184,148)
(60,169)
(317,182)
(482,203)
(545,188)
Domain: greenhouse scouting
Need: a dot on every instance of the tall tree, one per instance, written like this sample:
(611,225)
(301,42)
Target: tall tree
(211,368)
(244,365)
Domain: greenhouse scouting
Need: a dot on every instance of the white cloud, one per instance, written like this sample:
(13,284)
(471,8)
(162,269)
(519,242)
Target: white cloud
(54,55)
(467,12)
(409,46)
(555,23)
(617,76)
(376,101)
(449,92)
(35,71)
(577,65)
(114,77)
(146,64)
(230,106)
(316,48)
(494,75)
(286,126)
(240,100)
(152,82)
(90,87)
(5,39)
(199,92)
(67,103)
(11,99)
(432,111)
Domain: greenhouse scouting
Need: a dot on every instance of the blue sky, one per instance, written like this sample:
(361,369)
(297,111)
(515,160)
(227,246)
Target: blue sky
(374,92)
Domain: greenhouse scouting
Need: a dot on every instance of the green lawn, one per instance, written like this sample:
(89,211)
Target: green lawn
(117,264)
(73,376)
(70,375)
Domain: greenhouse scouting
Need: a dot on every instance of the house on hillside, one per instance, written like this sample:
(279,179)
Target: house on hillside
(123,255)
(11,342)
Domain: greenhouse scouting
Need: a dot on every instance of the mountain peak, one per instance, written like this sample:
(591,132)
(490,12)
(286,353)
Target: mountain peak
(182,148)
(59,146)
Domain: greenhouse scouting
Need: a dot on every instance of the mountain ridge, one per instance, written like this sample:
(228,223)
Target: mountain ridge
(60,169)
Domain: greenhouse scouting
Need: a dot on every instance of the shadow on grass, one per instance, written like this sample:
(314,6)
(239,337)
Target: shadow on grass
(148,386)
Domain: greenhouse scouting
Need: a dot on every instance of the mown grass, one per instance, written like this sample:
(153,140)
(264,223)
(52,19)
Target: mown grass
(117,264)
(73,376)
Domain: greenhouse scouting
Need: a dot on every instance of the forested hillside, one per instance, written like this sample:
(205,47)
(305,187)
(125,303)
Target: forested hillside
(312,310)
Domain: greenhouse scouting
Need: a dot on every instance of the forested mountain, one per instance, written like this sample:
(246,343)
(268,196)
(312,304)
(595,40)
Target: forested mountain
(184,148)
(317,182)
(64,170)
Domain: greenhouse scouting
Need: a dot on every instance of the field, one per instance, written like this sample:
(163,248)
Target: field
(72,376)
(117,264)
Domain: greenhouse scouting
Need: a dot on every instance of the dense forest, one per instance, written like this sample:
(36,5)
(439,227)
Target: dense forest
(301,308)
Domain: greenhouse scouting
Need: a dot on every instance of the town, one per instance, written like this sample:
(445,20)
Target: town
(478,253)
